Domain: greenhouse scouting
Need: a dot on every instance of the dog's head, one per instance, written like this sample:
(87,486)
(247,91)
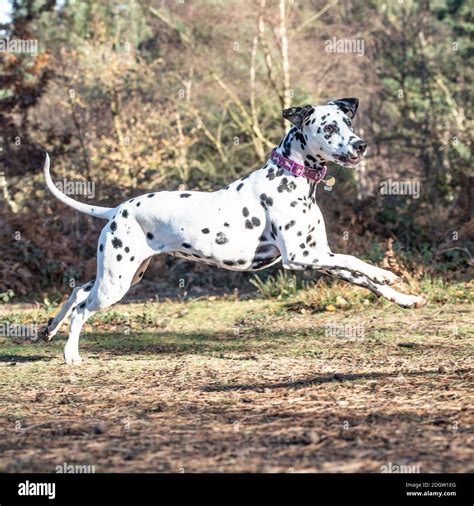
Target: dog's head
(328,131)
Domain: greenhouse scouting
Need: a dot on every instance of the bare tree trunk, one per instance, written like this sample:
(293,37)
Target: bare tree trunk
(267,54)
(284,56)
(77,124)
(115,109)
(182,150)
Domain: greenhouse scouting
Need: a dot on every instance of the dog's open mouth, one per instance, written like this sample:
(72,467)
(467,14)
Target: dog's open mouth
(350,159)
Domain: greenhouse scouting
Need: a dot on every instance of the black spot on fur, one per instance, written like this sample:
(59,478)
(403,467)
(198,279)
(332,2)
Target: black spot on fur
(101,248)
(205,230)
(140,274)
(239,187)
(88,288)
(228,262)
(127,249)
(186,245)
(265,200)
(185,195)
(221,238)
(149,236)
(245,212)
(124,213)
(119,257)
(274,232)
(226,224)
(255,221)
(305,253)
(150,195)
(248,224)
(82,306)
(271,174)
(290,224)
(132,259)
(113,226)
(138,204)
(116,242)
(286,186)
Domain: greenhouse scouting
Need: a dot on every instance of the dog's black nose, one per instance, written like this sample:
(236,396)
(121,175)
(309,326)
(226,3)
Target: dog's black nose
(360,146)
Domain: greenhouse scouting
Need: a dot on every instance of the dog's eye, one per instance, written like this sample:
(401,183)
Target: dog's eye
(329,129)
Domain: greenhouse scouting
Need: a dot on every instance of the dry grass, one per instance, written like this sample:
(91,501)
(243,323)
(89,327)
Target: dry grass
(218,385)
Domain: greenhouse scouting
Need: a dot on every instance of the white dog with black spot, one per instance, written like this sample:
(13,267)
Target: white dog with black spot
(267,216)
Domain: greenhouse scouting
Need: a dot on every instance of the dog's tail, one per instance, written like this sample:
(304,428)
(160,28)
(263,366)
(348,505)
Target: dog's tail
(99,212)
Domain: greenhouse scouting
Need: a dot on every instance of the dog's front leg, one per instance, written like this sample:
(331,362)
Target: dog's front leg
(323,260)
(402,299)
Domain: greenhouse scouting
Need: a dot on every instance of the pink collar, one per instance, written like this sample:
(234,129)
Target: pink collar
(297,169)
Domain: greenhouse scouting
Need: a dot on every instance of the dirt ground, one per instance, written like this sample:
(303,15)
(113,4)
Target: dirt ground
(243,386)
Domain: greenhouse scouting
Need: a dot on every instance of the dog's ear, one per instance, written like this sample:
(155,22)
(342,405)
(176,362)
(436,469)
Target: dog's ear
(347,105)
(297,115)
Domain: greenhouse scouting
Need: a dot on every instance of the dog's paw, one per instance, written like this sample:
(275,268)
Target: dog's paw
(72,357)
(44,334)
(420,301)
(410,301)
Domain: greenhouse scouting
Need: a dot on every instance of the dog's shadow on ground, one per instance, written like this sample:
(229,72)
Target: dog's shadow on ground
(12,359)
(325,378)
(212,343)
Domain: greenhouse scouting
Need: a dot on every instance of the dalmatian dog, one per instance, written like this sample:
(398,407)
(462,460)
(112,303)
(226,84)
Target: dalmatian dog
(266,217)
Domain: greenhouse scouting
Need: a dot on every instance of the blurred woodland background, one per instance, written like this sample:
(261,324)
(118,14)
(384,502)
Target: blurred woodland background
(149,95)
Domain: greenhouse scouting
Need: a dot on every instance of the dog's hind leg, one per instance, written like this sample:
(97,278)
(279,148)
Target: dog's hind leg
(78,295)
(123,255)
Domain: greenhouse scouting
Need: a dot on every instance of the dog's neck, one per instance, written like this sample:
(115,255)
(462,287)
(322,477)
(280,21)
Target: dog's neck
(295,147)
